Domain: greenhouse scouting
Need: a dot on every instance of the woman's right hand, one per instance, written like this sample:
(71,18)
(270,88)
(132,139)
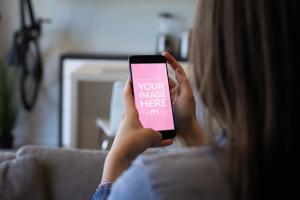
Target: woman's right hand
(184,105)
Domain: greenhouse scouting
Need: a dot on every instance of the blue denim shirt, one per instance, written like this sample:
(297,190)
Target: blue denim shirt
(192,173)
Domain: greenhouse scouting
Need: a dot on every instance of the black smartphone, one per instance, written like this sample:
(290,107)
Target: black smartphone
(151,91)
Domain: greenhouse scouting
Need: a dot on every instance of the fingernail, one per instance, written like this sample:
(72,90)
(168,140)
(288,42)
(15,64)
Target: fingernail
(168,141)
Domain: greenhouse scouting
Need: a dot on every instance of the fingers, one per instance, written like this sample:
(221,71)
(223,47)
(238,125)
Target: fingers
(172,83)
(173,93)
(180,74)
(179,77)
(185,87)
(128,99)
(173,62)
(173,88)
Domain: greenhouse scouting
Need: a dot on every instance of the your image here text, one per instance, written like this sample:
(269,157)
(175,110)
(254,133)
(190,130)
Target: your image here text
(152,94)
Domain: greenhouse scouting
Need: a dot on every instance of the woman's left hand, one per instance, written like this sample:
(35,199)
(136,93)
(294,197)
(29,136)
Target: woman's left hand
(131,140)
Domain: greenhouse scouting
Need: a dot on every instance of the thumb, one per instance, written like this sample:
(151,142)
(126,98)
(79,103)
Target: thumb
(157,139)
(128,99)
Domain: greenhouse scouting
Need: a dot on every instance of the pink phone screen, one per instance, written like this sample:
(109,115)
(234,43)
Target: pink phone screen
(152,95)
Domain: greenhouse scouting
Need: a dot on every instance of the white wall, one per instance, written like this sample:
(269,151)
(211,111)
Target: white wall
(96,26)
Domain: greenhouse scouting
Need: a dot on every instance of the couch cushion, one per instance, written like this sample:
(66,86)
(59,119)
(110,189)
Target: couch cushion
(68,174)
(21,179)
(5,156)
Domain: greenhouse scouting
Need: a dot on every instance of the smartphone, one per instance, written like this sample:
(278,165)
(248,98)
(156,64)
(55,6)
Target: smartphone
(151,91)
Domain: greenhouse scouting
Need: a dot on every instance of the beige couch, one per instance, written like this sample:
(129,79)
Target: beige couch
(36,172)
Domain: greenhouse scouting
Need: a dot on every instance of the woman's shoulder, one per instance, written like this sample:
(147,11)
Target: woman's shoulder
(193,172)
(171,154)
(200,158)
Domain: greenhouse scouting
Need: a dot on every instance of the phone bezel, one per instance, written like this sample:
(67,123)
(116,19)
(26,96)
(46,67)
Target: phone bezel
(167,134)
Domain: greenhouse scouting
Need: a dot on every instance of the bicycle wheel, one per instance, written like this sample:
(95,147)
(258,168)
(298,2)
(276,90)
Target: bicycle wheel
(31,74)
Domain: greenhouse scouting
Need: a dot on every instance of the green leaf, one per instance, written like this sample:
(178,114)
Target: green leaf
(8,101)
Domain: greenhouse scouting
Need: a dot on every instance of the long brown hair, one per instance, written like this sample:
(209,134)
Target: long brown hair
(244,58)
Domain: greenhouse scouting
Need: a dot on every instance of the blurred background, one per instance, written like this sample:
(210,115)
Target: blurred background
(84,47)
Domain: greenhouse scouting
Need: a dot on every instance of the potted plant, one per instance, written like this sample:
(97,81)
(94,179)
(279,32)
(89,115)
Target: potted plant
(8,106)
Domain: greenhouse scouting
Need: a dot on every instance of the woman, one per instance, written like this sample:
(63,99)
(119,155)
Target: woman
(244,62)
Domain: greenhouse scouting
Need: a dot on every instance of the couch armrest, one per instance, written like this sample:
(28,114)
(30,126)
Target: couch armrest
(5,156)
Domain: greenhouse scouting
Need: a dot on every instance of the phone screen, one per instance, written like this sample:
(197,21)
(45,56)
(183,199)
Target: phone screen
(152,95)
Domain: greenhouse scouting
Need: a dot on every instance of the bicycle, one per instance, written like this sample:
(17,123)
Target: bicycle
(26,54)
